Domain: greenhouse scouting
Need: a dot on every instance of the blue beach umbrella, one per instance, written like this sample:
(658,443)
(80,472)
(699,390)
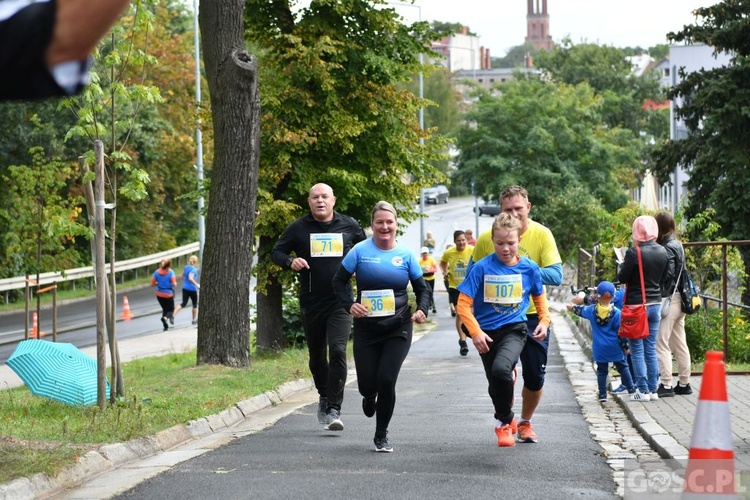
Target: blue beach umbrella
(56,370)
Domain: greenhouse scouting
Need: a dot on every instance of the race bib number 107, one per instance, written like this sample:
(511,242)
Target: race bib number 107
(326,245)
(504,289)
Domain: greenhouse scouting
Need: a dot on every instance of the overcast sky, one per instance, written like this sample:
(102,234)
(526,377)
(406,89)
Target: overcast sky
(501,24)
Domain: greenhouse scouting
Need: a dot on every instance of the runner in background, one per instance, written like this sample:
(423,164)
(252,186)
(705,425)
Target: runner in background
(453,264)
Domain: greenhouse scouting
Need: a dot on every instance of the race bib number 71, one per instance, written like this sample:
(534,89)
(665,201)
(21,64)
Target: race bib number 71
(506,289)
(326,245)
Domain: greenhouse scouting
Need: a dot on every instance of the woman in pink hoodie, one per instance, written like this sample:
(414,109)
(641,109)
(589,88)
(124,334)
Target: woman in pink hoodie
(655,259)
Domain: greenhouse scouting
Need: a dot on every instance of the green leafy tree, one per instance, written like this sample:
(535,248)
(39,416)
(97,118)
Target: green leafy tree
(108,110)
(448,29)
(515,57)
(548,137)
(607,71)
(441,109)
(716,152)
(42,217)
(159,140)
(334,112)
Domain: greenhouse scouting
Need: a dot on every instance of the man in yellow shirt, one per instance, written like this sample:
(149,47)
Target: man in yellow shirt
(538,244)
(453,264)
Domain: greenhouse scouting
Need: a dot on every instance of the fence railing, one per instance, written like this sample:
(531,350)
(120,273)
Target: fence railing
(153,260)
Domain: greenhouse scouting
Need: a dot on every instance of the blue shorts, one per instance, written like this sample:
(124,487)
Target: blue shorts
(534,356)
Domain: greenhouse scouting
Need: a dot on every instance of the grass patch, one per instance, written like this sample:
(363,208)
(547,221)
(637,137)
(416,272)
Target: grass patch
(41,435)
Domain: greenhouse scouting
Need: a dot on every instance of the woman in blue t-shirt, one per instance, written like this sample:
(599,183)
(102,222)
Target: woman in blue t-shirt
(382,316)
(190,287)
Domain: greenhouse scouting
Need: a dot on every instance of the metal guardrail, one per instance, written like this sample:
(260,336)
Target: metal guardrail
(88,272)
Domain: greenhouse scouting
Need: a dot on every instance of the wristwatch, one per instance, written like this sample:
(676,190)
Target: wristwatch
(289,261)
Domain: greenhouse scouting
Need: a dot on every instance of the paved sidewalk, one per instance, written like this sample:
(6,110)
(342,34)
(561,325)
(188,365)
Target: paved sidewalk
(666,424)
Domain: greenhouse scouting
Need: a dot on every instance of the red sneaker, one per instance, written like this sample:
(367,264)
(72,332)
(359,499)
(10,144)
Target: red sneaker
(526,434)
(505,436)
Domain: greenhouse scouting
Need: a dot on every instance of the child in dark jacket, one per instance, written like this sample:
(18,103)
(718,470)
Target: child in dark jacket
(605,323)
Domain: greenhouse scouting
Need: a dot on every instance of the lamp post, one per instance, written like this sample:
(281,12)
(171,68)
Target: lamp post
(198,132)
(476,208)
(421,120)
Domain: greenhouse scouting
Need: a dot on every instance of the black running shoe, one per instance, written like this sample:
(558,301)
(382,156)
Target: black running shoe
(683,390)
(333,421)
(368,406)
(322,410)
(381,443)
(664,392)
(464,349)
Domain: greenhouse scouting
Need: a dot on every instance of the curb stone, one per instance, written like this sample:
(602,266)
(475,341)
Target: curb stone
(662,442)
(111,456)
(610,424)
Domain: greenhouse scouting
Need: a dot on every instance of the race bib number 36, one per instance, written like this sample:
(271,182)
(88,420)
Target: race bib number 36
(505,289)
(326,245)
(379,302)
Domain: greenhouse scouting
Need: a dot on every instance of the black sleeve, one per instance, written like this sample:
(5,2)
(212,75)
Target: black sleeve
(24,38)
(358,234)
(422,292)
(282,249)
(668,280)
(341,289)
(628,266)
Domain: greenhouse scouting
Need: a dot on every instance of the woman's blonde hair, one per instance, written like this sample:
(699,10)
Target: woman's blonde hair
(506,222)
(193,260)
(383,205)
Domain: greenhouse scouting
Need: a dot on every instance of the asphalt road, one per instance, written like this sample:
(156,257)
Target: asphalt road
(443,439)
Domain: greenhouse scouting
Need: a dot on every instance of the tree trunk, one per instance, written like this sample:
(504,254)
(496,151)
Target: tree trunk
(270,335)
(224,321)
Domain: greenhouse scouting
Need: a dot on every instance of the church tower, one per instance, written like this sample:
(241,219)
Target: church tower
(537,25)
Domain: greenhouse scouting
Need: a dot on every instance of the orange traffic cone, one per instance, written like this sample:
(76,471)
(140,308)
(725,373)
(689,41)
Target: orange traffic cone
(35,332)
(126,314)
(710,468)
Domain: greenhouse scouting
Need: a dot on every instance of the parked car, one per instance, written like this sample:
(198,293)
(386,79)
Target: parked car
(437,194)
(492,209)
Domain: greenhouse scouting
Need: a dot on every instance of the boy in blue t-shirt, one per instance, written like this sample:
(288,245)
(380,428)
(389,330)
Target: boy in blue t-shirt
(492,304)
(605,323)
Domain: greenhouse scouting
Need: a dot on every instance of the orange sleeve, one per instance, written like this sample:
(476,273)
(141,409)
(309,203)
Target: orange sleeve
(464,311)
(542,309)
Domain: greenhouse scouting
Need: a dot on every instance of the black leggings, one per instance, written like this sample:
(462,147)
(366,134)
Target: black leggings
(431,284)
(505,348)
(378,365)
(327,333)
(167,306)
